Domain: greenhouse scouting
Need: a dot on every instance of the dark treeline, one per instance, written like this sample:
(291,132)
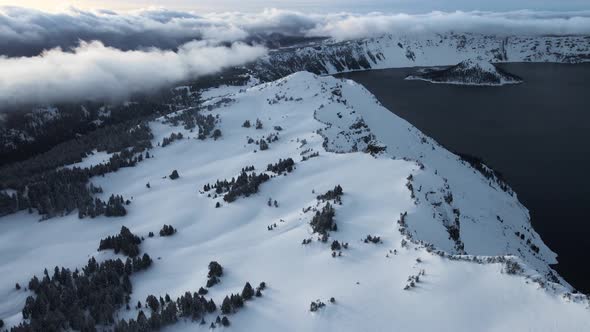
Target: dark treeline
(83,300)
(334,194)
(165,311)
(245,185)
(72,120)
(80,300)
(173,137)
(192,119)
(134,135)
(39,183)
(281,166)
(486,171)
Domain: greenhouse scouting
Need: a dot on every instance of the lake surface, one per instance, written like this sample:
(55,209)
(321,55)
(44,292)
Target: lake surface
(536,134)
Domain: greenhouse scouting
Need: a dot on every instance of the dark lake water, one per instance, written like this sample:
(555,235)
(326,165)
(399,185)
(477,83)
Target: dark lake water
(537,134)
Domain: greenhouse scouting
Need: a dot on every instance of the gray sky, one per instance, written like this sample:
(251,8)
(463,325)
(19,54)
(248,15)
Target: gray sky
(362,6)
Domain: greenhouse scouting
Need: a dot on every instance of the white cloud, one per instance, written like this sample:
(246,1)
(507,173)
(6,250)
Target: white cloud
(28,32)
(96,72)
(125,53)
(347,26)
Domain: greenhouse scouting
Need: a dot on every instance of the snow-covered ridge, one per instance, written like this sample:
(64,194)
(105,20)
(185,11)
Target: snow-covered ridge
(468,72)
(327,126)
(424,50)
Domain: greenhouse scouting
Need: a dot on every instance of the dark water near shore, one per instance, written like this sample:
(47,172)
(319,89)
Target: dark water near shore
(537,134)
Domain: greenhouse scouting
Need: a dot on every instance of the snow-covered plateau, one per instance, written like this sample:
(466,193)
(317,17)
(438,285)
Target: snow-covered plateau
(450,249)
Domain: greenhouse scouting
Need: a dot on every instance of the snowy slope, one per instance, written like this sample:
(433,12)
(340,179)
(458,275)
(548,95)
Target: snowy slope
(468,72)
(335,118)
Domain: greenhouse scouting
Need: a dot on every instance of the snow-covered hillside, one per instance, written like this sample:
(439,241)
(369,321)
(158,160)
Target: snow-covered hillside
(421,50)
(467,72)
(449,248)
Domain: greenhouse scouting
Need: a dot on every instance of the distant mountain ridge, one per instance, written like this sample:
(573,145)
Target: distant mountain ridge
(391,51)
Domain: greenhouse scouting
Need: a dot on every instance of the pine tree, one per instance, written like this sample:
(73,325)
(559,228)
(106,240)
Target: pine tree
(216,134)
(247,292)
(335,245)
(152,302)
(226,307)
(174,175)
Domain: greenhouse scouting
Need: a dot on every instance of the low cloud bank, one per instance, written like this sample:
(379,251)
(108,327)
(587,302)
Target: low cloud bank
(80,55)
(27,32)
(93,71)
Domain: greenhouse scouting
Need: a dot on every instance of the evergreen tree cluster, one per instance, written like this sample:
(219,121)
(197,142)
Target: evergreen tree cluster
(215,272)
(80,300)
(334,194)
(372,239)
(307,157)
(57,191)
(111,139)
(281,166)
(234,302)
(167,230)
(125,242)
(115,206)
(246,124)
(245,185)
(173,137)
(166,312)
(323,221)
(316,305)
(194,306)
(258,124)
(191,119)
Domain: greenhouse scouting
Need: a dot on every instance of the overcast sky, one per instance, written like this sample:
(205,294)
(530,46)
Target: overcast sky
(361,6)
